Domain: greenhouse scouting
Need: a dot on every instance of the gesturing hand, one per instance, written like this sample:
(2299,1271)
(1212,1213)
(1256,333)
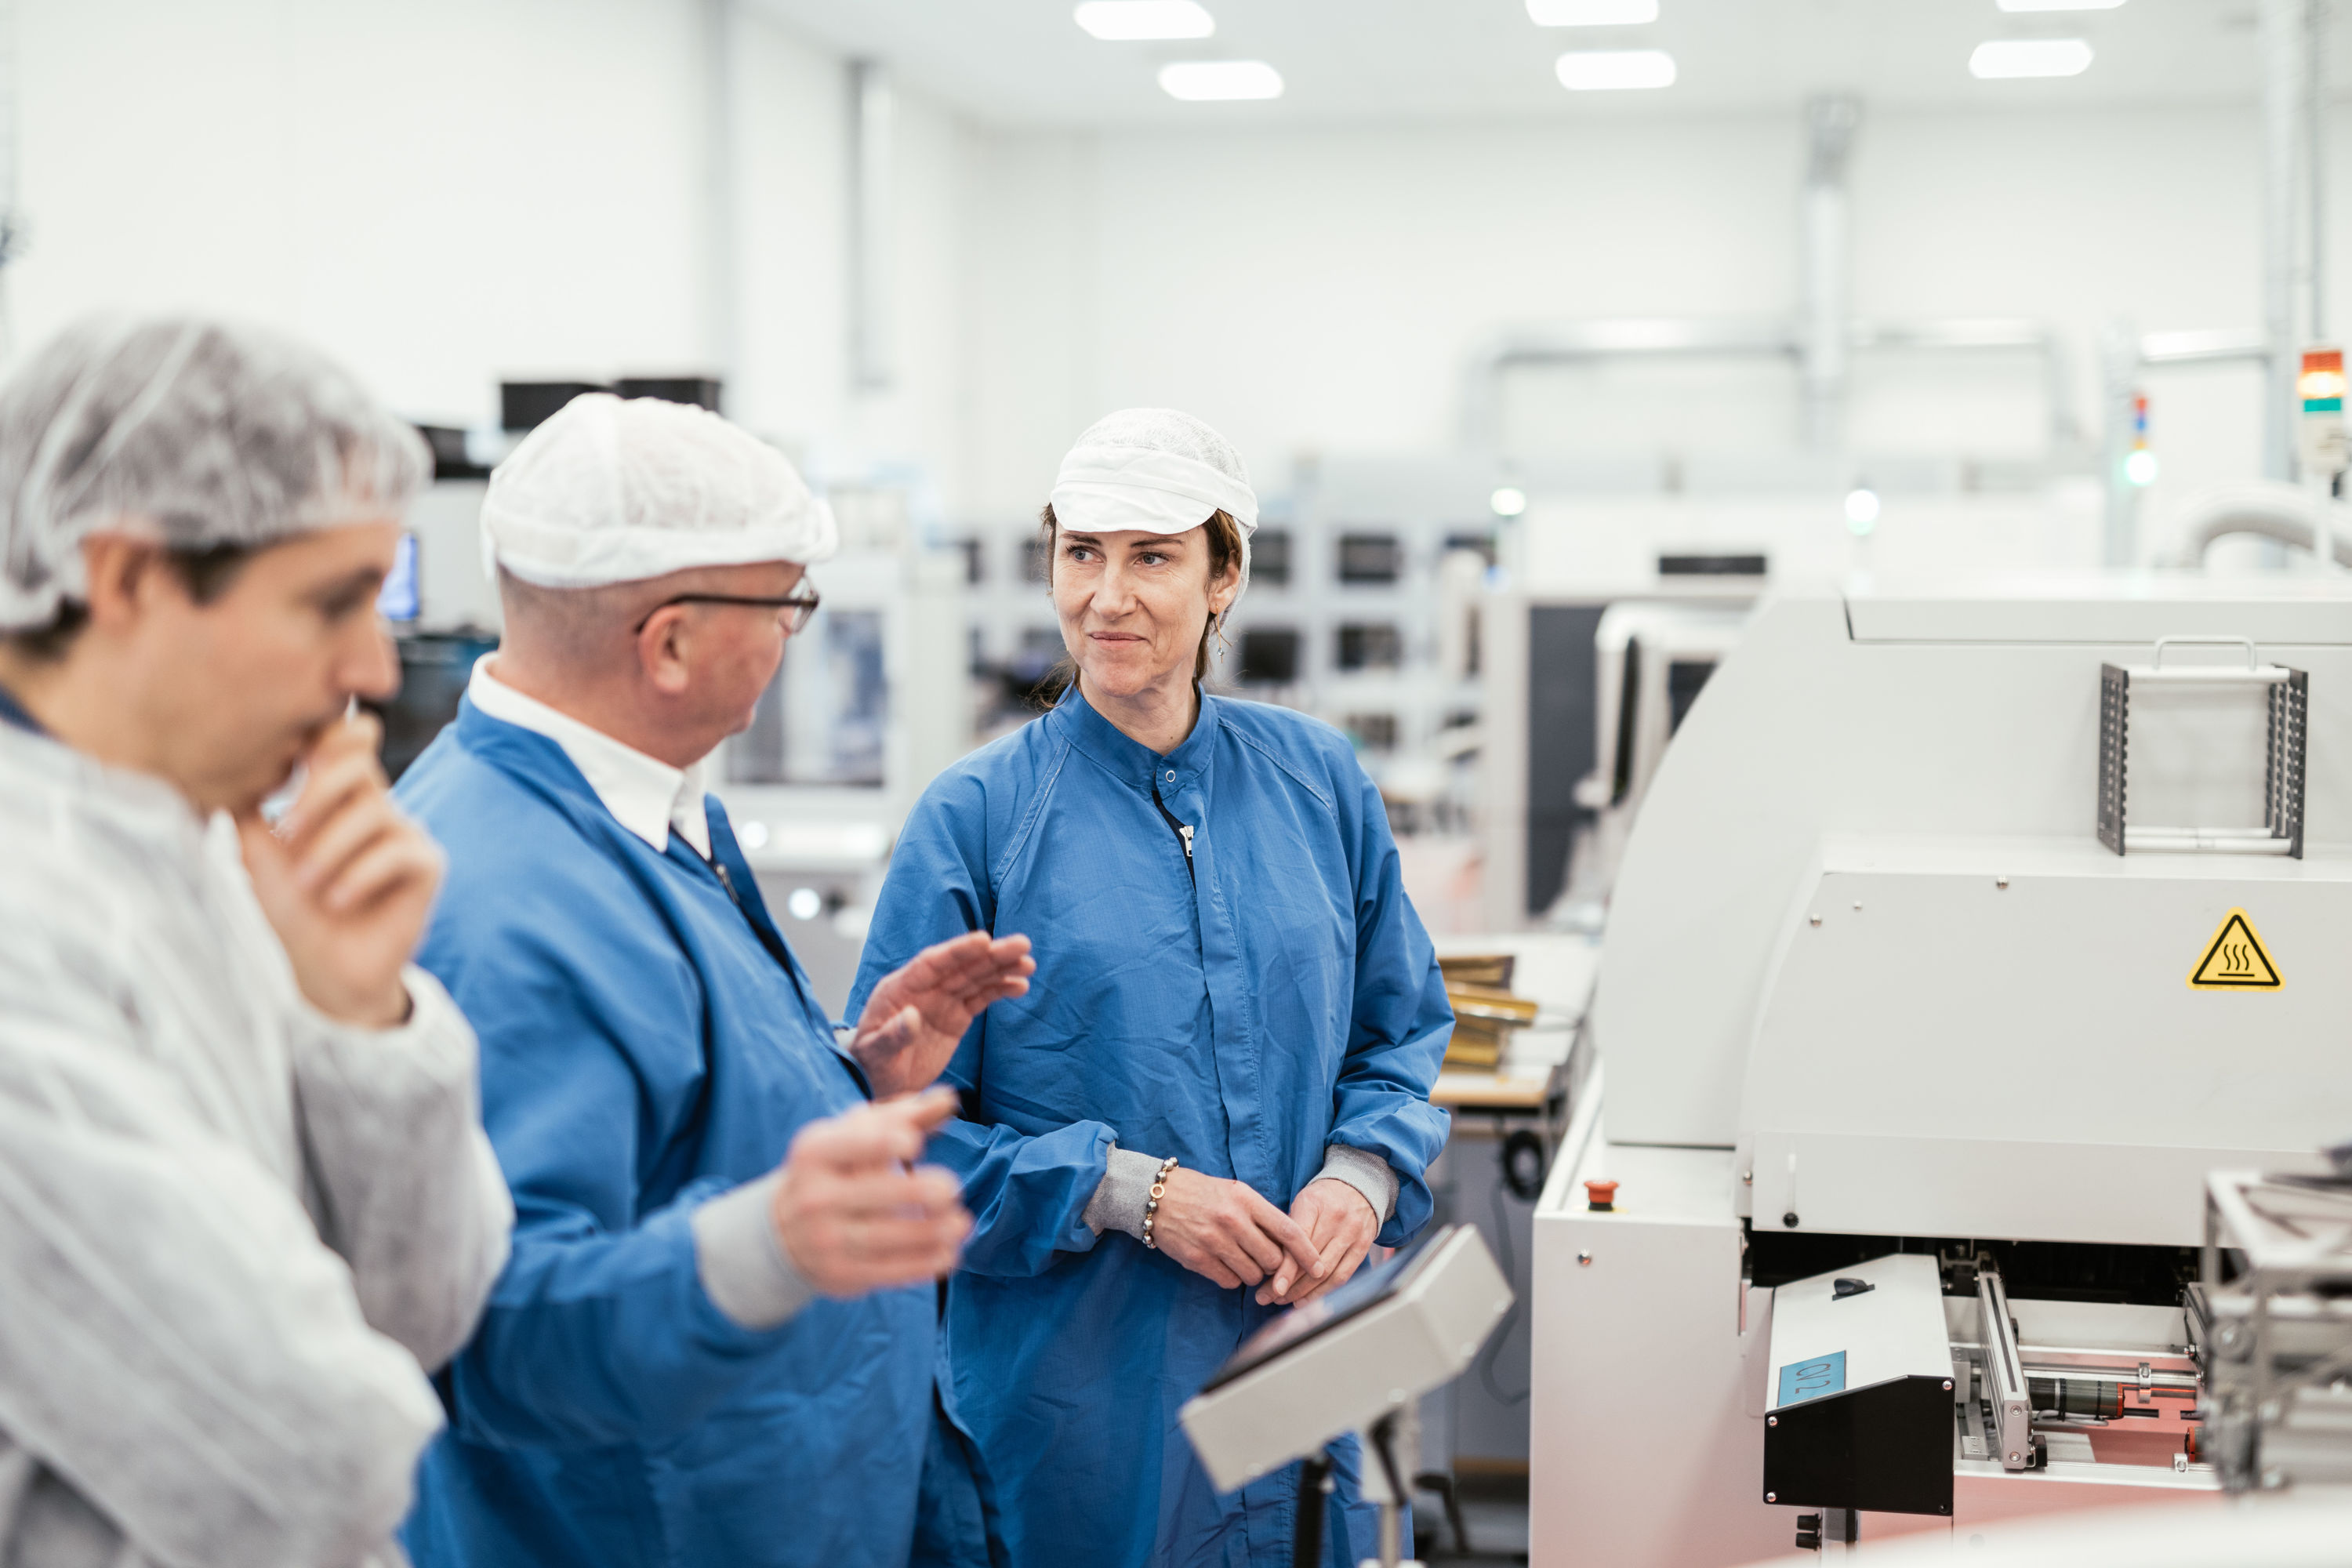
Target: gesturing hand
(1340,1221)
(917,1014)
(1224,1231)
(346,881)
(851,1214)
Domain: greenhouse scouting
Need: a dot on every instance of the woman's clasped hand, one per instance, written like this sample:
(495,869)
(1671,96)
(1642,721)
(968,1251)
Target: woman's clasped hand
(1224,1231)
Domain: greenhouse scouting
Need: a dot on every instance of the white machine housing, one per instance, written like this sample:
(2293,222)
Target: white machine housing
(1869,972)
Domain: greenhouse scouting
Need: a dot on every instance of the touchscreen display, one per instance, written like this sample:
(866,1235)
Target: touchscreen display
(1302,1323)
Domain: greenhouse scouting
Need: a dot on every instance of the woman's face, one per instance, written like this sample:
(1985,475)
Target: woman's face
(1132,605)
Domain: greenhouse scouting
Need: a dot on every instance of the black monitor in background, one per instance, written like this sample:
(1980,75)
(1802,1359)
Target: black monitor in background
(450,458)
(1711,565)
(1270,657)
(528,405)
(700,391)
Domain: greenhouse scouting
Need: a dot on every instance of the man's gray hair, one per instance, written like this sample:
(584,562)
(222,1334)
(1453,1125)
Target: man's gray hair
(196,433)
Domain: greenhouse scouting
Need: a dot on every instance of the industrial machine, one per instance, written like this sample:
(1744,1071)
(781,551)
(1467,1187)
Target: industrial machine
(2272,1315)
(1612,611)
(1910,1076)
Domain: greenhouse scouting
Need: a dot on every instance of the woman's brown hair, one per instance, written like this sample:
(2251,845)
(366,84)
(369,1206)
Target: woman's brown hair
(1224,536)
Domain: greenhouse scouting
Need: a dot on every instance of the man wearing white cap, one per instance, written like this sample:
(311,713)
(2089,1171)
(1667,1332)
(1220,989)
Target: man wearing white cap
(714,1343)
(1216,1097)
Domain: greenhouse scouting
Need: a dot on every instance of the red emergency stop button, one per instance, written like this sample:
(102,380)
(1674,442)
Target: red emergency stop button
(1600,1197)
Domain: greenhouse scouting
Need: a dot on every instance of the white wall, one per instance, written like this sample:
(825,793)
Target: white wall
(436,190)
(448,191)
(1320,290)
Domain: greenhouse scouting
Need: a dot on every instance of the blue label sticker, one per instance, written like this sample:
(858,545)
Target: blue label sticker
(1803,1380)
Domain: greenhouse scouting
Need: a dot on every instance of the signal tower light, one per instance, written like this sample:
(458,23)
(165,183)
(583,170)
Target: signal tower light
(2139,464)
(2321,389)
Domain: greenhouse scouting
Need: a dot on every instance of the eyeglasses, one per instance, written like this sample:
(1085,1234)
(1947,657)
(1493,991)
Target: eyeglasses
(800,606)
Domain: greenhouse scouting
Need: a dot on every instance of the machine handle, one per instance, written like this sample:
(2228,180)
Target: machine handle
(2246,643)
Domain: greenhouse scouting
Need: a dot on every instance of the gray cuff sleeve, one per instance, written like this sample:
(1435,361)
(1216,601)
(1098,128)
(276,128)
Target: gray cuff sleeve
(1367,1173)
(742,1261)
(1117,1204)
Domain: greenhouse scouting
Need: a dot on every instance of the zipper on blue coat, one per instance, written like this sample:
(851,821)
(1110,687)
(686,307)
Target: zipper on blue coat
(771,945)
(1184,831)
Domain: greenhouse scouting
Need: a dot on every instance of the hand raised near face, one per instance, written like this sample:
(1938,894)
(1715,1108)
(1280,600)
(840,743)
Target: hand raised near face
(346,881)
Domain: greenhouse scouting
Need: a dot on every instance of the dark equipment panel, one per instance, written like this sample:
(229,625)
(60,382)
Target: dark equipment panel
(1560,717)
(1270,558)
(1886,1447)
(433,669)
(1270,657)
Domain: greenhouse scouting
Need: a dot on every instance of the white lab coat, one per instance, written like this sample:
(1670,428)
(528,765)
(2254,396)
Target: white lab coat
(230,1230)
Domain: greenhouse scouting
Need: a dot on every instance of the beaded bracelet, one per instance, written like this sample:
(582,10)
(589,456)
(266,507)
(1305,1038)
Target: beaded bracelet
(1151,1207)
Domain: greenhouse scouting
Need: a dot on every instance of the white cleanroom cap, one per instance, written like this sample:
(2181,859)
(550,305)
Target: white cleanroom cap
(614,490)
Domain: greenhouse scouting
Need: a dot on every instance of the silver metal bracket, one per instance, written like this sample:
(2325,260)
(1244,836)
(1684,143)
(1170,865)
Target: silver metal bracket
(2004,1374)
(2286,694)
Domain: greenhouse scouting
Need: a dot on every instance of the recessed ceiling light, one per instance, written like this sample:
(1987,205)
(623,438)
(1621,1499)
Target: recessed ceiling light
(1606,70)
(1125,21)
(2060,5)
(1508,500)
(1200,81)
(1592,13)
(2003,57)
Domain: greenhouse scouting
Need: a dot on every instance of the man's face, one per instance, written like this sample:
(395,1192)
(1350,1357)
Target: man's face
(737,648)
(236,690)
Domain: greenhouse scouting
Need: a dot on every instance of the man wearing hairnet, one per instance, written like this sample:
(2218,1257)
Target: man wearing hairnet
(244,1193)
(715,1345)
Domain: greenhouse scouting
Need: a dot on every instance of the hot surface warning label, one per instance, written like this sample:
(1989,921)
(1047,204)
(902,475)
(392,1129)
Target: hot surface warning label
(2235,960)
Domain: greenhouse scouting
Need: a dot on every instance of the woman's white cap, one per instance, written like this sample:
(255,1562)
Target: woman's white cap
(615,491)
(1154,470)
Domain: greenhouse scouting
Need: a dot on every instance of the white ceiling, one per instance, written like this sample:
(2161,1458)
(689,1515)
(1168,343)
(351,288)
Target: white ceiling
(1024,62)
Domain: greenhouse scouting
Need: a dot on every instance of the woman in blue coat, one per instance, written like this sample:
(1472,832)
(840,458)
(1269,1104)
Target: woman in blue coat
(1235,999)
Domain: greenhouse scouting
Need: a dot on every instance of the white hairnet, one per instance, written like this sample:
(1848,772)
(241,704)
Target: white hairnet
(613,492)
(1155,469)
(200,432)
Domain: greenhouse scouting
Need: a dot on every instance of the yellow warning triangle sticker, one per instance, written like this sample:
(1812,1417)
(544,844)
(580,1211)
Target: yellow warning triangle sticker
(2235,960)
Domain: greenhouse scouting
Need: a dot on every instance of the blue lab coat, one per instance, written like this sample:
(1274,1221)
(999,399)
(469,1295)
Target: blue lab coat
(646,1044)
(1277,995)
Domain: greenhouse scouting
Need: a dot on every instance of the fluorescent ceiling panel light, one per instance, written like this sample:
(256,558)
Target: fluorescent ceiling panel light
(2006,57)
(2060,5)
(1609,70)
(1202,81)
(1592,13)
(1126,21)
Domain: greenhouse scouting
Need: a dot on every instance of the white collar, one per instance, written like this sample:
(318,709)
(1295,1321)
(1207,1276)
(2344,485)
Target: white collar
(644,795)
